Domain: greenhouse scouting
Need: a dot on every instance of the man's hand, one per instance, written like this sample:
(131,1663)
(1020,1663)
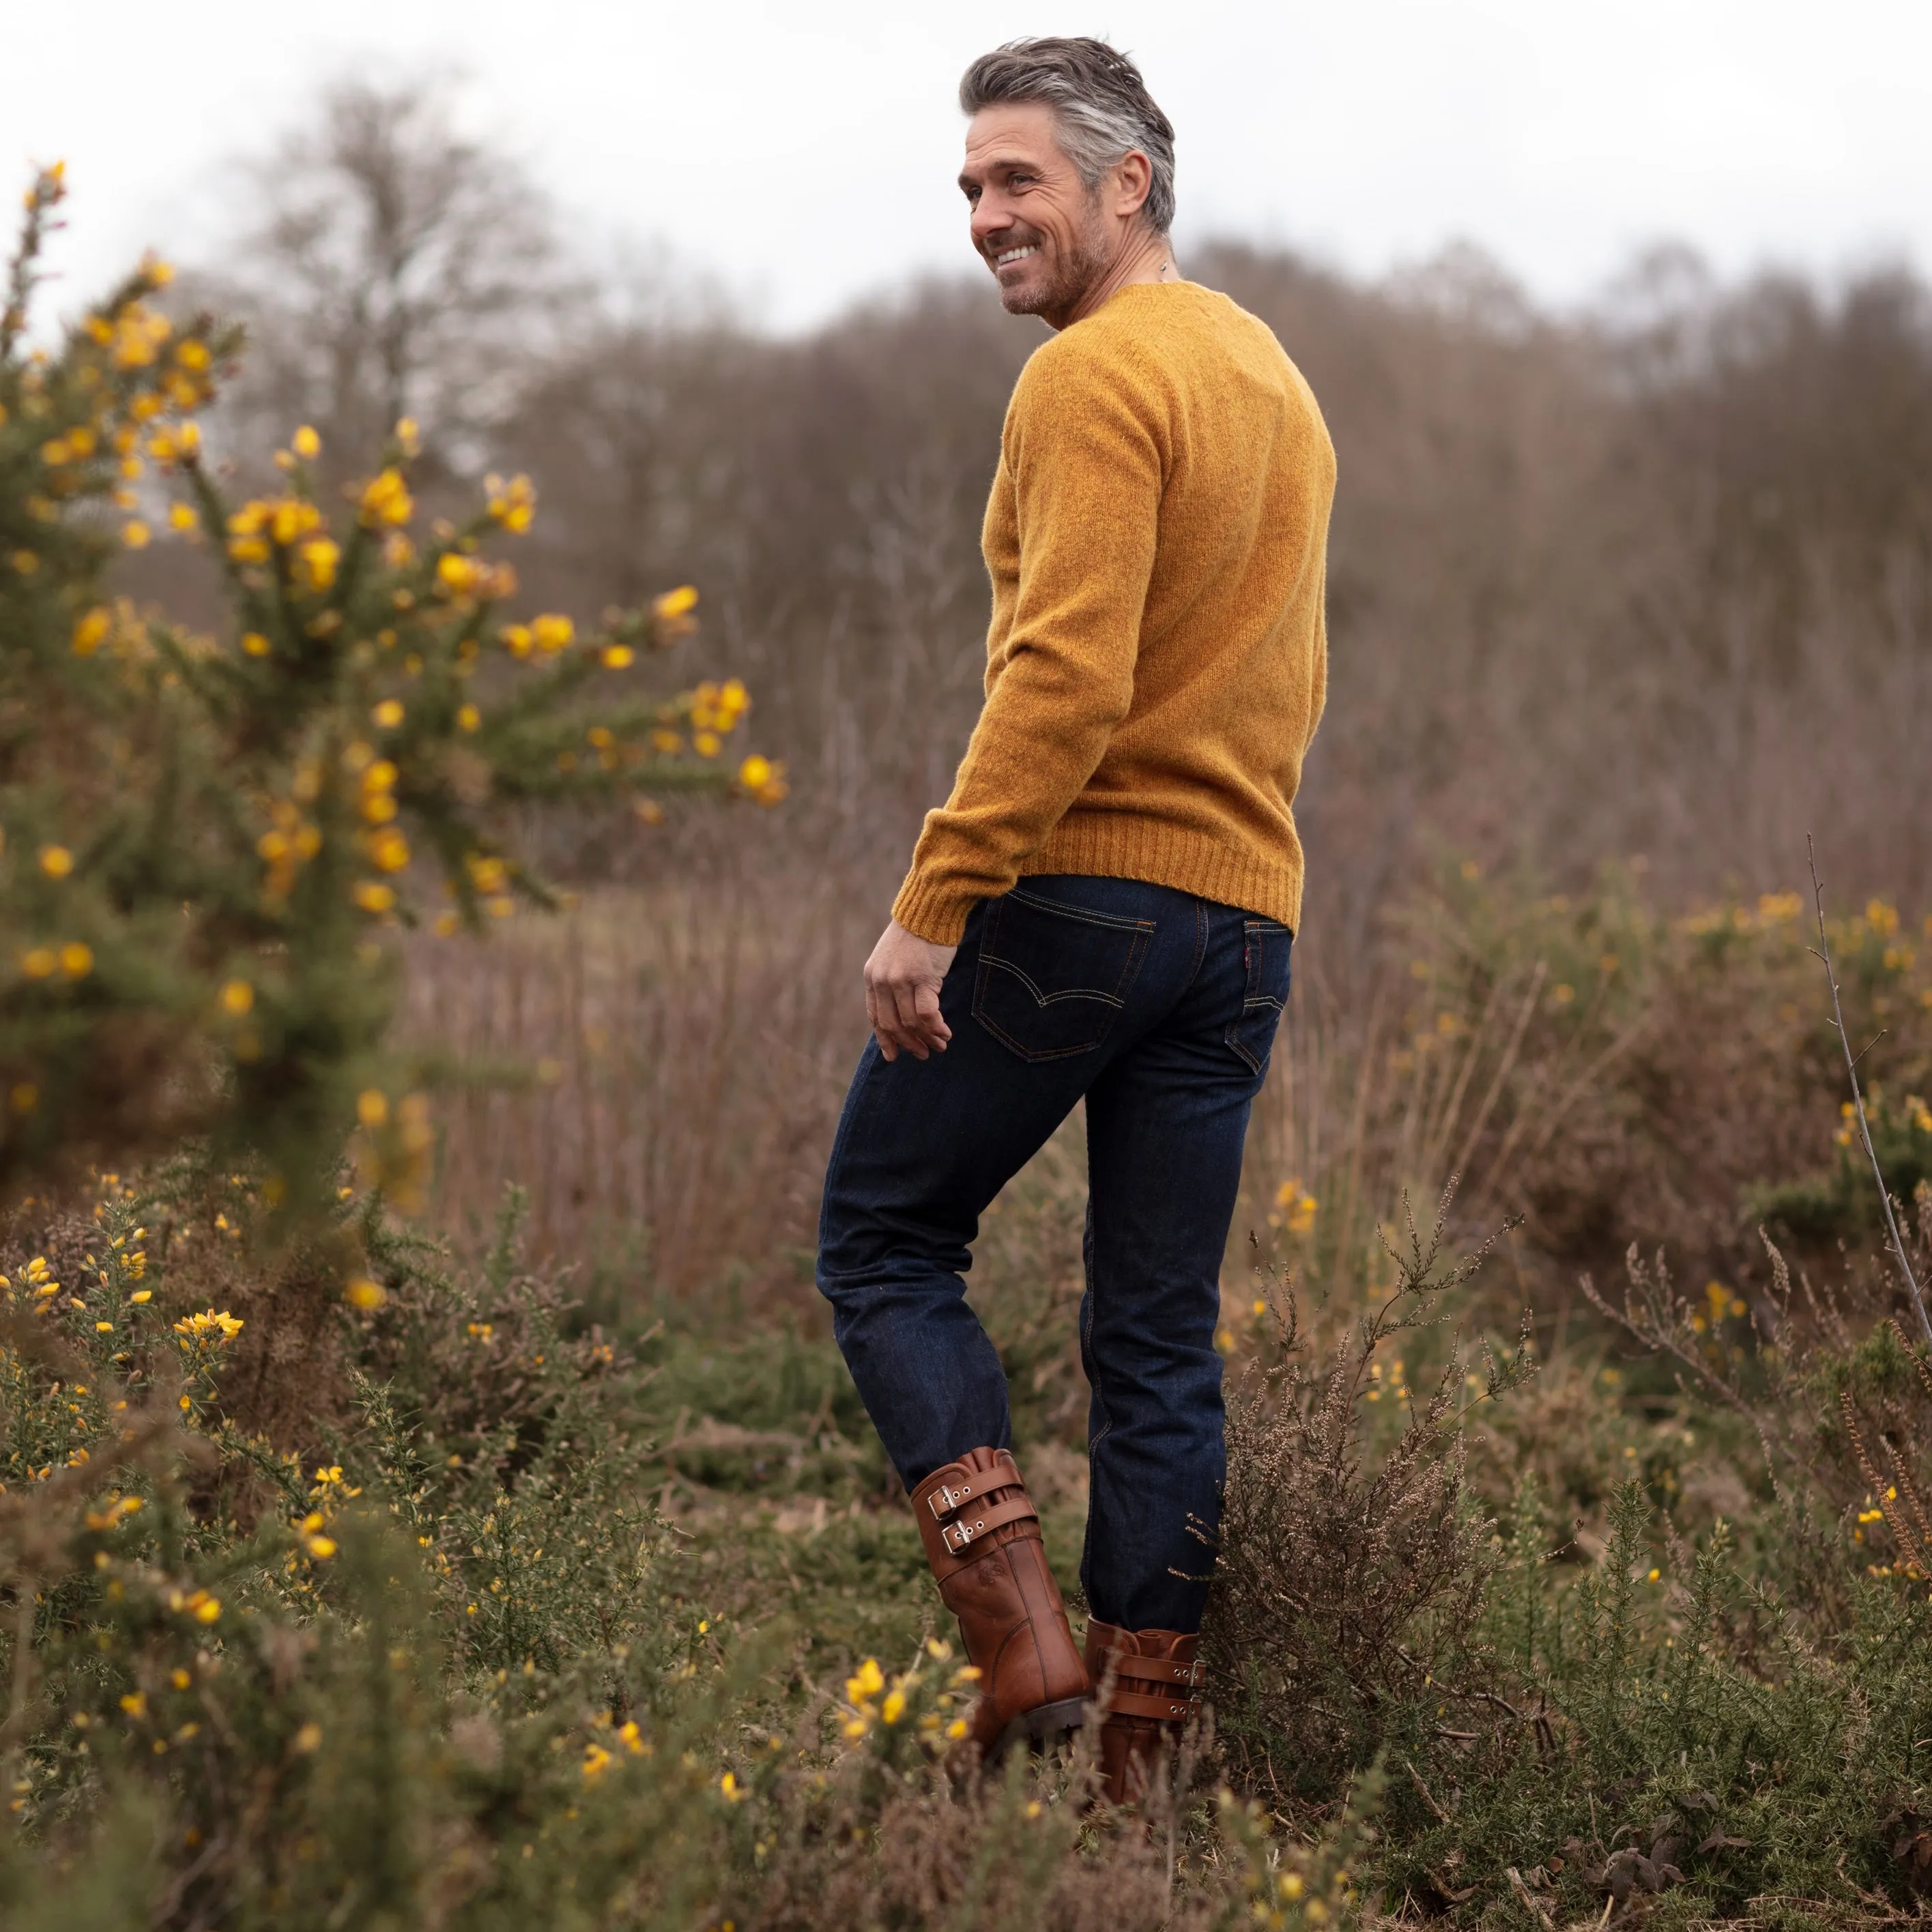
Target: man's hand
(903,978)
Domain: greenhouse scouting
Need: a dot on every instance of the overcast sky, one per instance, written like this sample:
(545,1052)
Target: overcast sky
(804,155)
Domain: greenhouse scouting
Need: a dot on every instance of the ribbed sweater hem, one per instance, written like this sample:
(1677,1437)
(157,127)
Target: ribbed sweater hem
(1127,847)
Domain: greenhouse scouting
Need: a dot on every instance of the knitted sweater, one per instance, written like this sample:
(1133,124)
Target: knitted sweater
(1158,658)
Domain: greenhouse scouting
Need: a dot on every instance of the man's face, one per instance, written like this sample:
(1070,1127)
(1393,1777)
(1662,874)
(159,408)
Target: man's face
(1035,222)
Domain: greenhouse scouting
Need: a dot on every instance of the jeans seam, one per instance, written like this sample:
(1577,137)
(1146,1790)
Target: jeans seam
(1118,920)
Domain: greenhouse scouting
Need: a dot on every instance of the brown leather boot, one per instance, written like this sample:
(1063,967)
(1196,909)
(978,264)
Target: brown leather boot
(981,1536)
(1156,1690)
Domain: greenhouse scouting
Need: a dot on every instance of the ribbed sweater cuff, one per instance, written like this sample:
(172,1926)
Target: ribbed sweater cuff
(930,911)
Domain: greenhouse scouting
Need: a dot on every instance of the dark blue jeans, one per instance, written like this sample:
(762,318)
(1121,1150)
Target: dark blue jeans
(1159,1009)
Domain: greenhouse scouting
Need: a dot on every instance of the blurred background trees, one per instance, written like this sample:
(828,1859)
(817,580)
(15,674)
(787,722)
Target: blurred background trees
(1650,583)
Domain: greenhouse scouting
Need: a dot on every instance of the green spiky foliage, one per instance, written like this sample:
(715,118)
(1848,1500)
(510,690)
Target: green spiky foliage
(209,837)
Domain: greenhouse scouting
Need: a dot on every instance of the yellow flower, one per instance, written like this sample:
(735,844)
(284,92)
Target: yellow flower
(135,534)
(306,443)
(468,717)
(734,1793)
(456,574)
(237,997)
(184,517)
(364,1294)
(408,436)
(89,632)
(319,557)
(56,861)
(551,632)
(596,1760)
(308,1738)
(372,1106)
(893,1708)
(255,644)
(291,518)
(38,962)
(224,1324)
(386,499)
(135,1705)
(372,895)
(388,714)
(755,773)
(868,1682)
(619,657)
(77,959)
(706,744)
(675,603)
(389,850)
(513,504)
(516,639)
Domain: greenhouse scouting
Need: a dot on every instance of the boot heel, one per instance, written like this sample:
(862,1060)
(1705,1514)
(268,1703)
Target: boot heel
(1044,1725)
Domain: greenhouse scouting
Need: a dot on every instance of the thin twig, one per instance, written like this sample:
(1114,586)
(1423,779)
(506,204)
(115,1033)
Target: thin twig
(1859,1101)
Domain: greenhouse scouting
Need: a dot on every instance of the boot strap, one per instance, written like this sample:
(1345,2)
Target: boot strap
(951,1542)
(1170,1710)
(955,1486)
(1162,1687)
(1174,1674)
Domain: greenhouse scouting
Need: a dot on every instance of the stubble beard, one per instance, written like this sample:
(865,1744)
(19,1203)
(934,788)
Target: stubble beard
(1075,273)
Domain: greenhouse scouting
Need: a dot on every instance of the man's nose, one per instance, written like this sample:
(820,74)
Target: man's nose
(989,219)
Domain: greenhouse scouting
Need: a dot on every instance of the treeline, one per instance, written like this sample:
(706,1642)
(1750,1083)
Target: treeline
(1653,580)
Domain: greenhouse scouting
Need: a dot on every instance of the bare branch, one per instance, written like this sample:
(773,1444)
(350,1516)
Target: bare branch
(1859,1100)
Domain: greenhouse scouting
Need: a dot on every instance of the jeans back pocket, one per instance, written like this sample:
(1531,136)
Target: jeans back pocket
(1265,947)
(1053,977)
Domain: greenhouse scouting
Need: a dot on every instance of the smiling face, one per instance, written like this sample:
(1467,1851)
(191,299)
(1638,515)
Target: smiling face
(1048,237)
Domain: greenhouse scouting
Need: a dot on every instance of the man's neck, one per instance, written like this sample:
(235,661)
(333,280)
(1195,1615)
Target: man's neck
(1146,258)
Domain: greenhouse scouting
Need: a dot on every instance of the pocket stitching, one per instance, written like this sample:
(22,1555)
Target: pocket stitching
(1118,921)
(1253,1001)
(1142,930)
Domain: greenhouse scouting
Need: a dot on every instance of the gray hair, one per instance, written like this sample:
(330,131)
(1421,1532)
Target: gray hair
(1100,104)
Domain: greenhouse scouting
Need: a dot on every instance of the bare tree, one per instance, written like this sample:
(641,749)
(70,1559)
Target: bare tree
(391,266)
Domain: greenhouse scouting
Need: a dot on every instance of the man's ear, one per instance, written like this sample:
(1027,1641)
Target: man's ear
(1133,181)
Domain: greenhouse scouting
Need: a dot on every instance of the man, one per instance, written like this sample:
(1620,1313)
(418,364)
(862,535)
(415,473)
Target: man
(1102,909)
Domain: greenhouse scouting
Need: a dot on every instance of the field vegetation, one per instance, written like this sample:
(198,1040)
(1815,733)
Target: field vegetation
(428,1494)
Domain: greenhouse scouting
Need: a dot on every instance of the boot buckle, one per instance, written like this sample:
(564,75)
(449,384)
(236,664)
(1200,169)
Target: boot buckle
(944,1500)
(956,1536)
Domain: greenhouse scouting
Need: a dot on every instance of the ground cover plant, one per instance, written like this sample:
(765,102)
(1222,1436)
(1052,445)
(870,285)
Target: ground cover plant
(352,1573)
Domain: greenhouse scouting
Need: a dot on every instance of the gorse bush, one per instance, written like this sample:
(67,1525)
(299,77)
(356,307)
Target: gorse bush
(447,1668)
(207,838)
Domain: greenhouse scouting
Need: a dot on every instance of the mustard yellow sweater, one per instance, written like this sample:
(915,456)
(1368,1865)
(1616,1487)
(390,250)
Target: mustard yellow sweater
(1158,658)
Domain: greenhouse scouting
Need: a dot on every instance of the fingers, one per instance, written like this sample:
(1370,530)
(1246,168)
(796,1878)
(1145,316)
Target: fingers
(888,1047)
(927,1016)
(905,1017)
(904,977)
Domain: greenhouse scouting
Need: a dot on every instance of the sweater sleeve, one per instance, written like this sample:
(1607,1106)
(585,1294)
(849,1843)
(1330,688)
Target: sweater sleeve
(1086,461)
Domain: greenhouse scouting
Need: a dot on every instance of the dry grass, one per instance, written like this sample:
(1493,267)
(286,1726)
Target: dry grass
(662,1069)
(660,1066)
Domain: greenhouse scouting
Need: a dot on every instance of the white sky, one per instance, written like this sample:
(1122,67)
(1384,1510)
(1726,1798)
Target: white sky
(803,156)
